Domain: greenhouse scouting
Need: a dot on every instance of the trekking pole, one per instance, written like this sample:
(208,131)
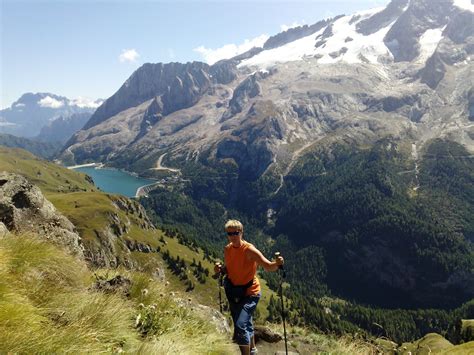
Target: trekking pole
(219,284)
(282,276)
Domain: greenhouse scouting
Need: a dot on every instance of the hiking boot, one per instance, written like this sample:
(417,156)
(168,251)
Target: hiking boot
(253,351)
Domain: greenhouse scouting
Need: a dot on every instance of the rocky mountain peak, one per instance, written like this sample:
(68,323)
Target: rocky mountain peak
(295,33)
(33,111)
(178,85)
(421,15)
(383,18)
(29,100)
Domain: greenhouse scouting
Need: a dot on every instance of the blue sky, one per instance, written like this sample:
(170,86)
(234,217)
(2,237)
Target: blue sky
(89,48)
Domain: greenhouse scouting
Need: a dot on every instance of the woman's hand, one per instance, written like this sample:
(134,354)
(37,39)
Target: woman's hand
(279,260)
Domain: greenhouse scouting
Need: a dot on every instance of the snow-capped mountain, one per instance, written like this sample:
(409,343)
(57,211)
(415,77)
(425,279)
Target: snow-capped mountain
(31,112)
(396,71)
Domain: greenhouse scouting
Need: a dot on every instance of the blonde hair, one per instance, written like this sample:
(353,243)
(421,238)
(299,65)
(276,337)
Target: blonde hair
(234,224)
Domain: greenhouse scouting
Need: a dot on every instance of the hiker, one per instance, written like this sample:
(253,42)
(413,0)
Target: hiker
(241,284)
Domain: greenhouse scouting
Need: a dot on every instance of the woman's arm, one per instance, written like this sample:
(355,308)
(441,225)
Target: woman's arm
(255,255)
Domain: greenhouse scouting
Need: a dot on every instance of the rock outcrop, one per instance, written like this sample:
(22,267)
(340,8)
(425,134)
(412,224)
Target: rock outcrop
(294,34)
(117,284)
(24,209)
(266,334)
(114,241)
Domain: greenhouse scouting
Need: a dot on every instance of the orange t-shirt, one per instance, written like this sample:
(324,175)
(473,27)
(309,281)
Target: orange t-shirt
(240,269)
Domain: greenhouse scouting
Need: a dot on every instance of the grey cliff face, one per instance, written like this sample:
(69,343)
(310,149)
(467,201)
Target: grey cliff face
(382,19)
(249,88)
(224,72)
(460,28)
(471,104)
(24,209)
(178,86)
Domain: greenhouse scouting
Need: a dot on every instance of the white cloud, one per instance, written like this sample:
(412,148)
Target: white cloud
(229,50)
(284,28)
(48,101)
(85,102)
(128,55)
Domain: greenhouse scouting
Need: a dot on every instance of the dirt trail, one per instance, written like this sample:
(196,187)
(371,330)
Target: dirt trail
(161,167)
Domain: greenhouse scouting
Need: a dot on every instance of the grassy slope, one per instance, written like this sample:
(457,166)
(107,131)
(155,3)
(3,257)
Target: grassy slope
(42,149)
(49,177)
(48,306)
(89,210)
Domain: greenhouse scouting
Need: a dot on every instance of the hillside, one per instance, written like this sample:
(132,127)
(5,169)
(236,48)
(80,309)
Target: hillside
(346,144)
(41,149)
(116,234)
(51,302)
(145,256)
(115,231)
(362,224)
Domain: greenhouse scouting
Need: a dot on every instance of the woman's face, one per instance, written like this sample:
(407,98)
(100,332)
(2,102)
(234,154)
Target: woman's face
(234,235)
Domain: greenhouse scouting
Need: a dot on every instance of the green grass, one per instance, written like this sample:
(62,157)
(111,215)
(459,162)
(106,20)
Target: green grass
(306,341)
(433,343)
(47,305)
(463,349)
(49,177)
(88,211)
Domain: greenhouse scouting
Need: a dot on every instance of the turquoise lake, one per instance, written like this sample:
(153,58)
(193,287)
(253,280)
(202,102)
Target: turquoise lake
(115,181)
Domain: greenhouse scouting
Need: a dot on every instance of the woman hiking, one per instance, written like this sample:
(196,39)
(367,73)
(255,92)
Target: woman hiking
(241,283)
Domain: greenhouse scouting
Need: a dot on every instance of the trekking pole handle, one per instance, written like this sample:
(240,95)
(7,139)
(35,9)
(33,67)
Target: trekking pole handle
(277,255)
(217,264)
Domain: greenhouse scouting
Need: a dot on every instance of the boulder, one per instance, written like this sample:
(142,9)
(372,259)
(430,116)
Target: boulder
(264,333)
(117,284)
(24,209)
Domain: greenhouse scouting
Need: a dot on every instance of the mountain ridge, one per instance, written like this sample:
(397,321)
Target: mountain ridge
(187,117)
(33,111)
